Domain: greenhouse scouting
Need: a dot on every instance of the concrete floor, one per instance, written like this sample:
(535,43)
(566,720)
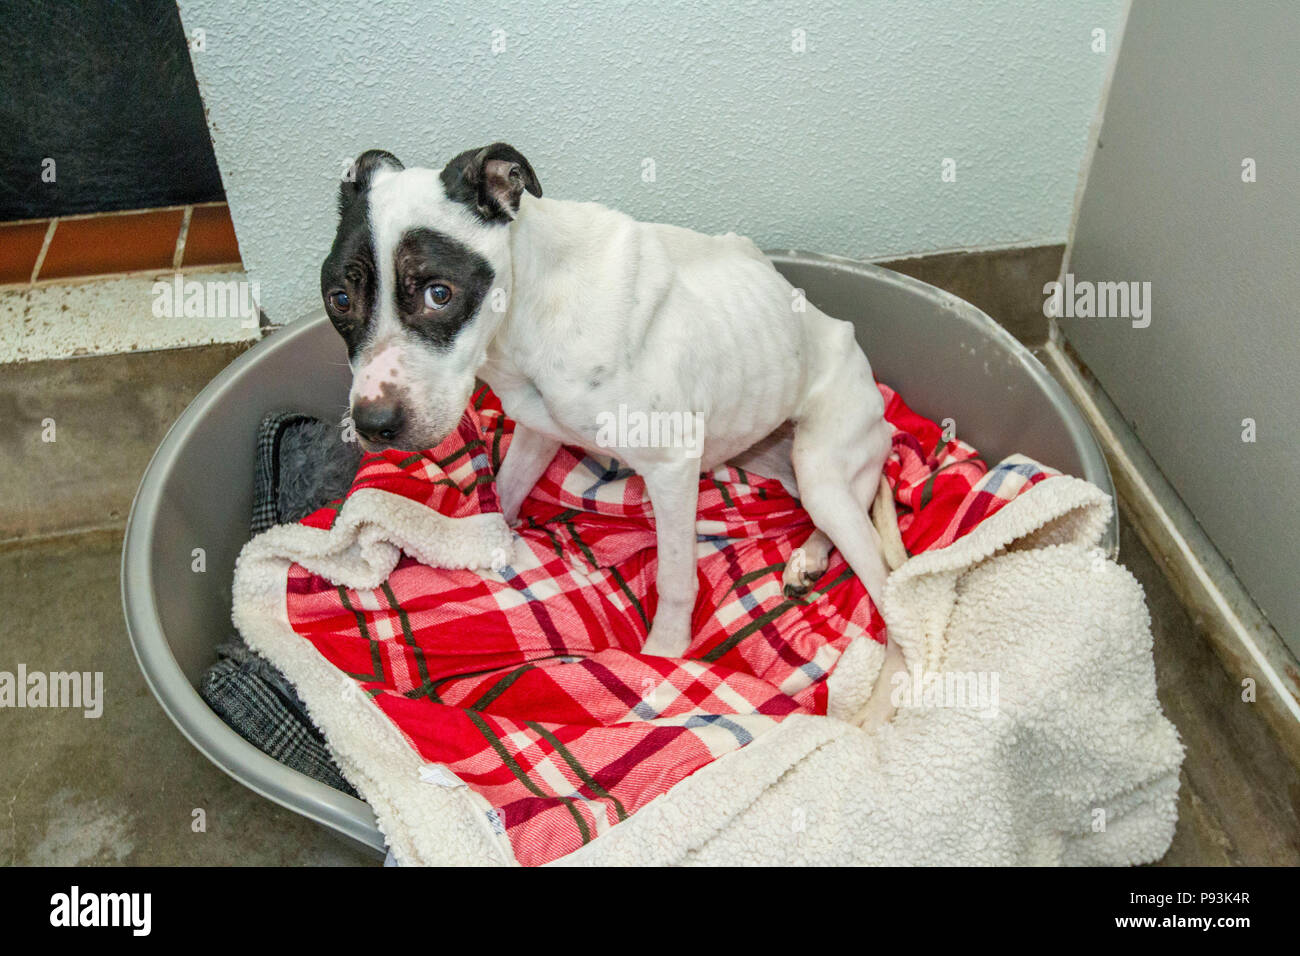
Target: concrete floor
(111,412)
(122,789)
(1239,800)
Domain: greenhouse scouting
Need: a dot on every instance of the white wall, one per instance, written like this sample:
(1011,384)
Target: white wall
(837,149)
(1200,86)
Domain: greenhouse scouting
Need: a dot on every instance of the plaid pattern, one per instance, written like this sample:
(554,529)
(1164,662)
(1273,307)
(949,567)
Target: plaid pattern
(527,683)
(266,471)
(243,688)
(255,699)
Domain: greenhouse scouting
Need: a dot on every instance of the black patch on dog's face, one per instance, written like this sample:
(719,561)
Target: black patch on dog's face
(350,269)
(425,259)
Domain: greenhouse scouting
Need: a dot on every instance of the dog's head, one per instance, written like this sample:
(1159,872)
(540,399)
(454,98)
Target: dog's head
(417,282)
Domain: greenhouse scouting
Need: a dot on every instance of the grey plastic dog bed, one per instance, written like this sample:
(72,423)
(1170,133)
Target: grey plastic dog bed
(944,356)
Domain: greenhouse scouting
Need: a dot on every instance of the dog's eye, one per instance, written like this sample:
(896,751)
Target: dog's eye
(340,301)
(437,295)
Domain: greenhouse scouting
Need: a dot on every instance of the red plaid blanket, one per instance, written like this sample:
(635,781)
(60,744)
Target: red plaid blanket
(527,683)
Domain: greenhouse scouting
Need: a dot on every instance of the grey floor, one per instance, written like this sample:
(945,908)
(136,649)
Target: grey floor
(124,788)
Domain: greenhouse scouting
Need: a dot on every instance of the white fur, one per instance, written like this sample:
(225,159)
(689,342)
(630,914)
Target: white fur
(603,311)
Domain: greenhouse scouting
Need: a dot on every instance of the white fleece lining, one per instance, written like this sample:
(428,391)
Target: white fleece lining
(849,686)
(424,824)
(1075,512)
(372,530)
(778,773)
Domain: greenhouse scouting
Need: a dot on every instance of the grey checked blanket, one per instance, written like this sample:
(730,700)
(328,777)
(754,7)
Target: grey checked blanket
(302,464)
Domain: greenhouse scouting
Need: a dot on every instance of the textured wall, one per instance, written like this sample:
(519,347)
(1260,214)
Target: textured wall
(837,149)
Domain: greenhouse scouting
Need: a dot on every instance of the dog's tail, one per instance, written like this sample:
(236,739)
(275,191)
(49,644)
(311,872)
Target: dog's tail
(885,518)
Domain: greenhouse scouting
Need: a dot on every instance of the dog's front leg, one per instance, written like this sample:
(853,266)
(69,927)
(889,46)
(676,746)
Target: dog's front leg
(674,491)
(526,459)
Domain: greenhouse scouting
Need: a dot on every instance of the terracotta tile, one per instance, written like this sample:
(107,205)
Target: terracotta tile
(20,244)
(211,239)
(112,242)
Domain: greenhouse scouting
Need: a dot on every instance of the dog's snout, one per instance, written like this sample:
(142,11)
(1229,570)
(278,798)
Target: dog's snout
(379,420)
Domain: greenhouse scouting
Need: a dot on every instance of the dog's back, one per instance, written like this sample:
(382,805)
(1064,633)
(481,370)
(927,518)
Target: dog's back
(663,318)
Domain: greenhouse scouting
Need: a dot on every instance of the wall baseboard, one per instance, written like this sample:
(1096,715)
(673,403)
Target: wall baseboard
(1243,638)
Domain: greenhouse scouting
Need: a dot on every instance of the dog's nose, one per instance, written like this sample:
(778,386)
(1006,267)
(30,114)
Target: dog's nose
(377,421)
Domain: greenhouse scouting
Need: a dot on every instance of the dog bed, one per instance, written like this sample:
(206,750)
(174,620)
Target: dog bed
(507,716)
(302,464)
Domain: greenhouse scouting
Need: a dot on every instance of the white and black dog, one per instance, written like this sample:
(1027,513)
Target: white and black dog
(569,310)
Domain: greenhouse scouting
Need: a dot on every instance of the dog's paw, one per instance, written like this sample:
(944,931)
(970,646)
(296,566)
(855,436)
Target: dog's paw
(802,571)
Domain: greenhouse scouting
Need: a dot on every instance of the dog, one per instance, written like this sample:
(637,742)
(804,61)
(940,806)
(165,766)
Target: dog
(569,310)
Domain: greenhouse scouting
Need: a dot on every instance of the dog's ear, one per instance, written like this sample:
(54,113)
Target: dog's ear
(359,175)
(490,181)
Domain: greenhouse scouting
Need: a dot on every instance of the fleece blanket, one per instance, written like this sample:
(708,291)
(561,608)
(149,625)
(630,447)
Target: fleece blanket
(504,713)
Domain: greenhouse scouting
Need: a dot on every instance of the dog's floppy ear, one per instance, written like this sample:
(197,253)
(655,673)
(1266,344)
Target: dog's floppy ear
(490,181)
(359,175)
